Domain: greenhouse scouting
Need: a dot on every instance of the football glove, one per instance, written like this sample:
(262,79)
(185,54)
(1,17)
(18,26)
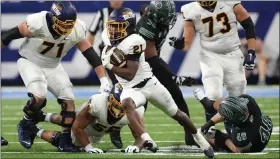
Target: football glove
(106,56)
(178,44)
(105,86)
(184,81)
(205,128)
(249,61)
(132,149)
(198,94)
(95,150)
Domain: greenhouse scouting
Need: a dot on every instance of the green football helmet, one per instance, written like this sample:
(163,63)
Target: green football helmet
(162,13)
(234,110)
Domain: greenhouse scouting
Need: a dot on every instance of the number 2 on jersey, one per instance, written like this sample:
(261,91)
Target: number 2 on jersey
(50,46)
(220,17)
(137,49)
(265,131)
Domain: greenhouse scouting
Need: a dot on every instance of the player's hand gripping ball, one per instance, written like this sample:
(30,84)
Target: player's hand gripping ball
(118,57)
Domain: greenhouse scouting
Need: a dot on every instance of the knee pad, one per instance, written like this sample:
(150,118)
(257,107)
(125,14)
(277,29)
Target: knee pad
(66,114)
(66,93)
(55,138)
(33,110)
(38,88)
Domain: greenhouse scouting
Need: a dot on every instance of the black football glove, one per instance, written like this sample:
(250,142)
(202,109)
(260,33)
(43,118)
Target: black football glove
(249,61)
(184,81)
(179,44)
(204,129)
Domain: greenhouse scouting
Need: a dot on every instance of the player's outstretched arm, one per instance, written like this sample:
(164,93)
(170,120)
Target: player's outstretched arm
(127,72)
(17,32)
(95,61)
(246,22)
(83,119)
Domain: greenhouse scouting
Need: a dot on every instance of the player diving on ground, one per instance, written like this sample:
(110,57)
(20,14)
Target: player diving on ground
(248,128)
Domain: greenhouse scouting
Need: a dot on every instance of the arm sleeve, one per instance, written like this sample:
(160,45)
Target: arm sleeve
(95,23)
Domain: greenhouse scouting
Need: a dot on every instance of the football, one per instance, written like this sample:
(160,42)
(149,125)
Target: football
(118,58)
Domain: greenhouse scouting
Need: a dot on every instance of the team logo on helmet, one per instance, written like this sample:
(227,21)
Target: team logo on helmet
(56,8)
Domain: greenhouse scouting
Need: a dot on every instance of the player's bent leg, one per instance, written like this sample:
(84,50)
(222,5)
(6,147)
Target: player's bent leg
(164,74)
(67,119)
(32,112)
(133,117)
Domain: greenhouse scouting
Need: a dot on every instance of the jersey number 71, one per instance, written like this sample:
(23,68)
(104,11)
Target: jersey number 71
(220,17)
(50,46)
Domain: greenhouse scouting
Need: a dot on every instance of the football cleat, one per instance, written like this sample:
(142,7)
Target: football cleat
(24,133)
(4,142)
(204,145)
(65,143)
(151,146)
(116,139)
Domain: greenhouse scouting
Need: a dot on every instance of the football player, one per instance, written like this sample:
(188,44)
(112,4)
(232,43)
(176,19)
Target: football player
(221,60)
(49,35)
(157,19)
(138,82)
(95,118)
(4,142)
(248,128)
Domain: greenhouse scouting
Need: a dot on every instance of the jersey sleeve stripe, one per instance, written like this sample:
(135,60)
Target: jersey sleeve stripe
(95,23)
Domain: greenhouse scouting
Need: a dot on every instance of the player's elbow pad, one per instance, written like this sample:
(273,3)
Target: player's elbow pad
(10,35)
(92,57)
(249,27)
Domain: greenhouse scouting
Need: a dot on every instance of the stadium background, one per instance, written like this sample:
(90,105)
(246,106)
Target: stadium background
(264,14)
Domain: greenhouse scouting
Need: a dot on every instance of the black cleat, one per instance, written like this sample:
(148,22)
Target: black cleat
(209,152)
(4,142)
(116,139)
(65,143)
(24,133)
(151,146)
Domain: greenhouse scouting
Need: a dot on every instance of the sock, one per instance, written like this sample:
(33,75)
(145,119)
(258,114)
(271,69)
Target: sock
(40,132)
(146,136)
(48,117)
(209,109)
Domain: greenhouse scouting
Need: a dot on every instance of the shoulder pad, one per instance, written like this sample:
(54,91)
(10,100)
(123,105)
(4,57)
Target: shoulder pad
(232,3)
(80,31)
(105,38)
(35,21)
(133,44)
(146,28)
(187,11)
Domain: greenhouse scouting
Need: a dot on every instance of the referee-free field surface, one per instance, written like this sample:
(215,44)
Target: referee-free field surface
(166,132)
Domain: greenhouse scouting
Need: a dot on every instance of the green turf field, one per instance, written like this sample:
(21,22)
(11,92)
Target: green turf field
(163,130)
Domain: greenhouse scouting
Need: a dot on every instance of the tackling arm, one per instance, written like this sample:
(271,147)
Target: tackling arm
(17,32)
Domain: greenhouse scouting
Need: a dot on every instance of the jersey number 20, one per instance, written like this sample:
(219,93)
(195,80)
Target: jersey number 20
(220,17)
(50,46)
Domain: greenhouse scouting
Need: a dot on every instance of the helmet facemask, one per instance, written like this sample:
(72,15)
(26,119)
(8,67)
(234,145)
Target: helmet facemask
(206,3)
(115,107)
(117,30)
(61,27)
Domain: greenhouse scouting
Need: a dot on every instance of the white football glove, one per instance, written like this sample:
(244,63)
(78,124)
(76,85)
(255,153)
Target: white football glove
(105,86)
(132,149)
(105,57)
(198,94)
(90,149)
(95,150)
